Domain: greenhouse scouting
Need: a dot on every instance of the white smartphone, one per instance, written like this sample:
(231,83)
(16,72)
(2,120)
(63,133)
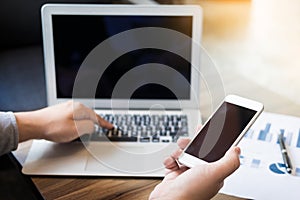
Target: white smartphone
(224,129)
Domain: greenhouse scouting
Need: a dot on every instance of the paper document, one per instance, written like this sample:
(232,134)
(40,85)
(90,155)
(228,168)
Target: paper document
(262,174)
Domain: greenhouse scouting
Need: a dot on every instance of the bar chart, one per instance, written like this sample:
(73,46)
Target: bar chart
(262,139)
(261,160)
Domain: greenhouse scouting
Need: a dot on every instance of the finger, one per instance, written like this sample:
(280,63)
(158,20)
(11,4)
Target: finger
(171,174)
(84,127)
(103,123)
(183,142)
(171,164)
(171,161)
(175,155)
(82,112)
(228,164)
(199,128)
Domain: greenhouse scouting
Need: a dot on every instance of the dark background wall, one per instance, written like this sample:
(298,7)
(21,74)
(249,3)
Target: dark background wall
(22,80)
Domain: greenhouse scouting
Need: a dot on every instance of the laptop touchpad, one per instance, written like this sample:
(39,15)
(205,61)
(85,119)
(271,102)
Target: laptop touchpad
(127,159)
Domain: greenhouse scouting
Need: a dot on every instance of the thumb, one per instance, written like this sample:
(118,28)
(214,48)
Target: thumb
(228,164)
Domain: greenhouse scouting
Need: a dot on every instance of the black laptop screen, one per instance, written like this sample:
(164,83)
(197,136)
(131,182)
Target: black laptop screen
(75,36)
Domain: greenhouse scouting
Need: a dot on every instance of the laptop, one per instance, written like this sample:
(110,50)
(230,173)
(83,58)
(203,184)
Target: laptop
(138,67)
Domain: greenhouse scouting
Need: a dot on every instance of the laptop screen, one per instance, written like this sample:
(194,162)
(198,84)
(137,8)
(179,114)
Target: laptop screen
(75,36)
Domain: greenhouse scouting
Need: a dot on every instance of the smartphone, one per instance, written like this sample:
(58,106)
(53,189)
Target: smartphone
(224,129)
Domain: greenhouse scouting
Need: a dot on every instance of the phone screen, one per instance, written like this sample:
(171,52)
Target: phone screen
(220,132)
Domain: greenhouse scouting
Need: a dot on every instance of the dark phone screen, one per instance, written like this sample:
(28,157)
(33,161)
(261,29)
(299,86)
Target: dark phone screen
(220,132)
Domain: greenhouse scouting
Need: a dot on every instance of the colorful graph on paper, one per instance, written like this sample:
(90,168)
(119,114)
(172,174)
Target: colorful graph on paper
(265,133)
(262,163)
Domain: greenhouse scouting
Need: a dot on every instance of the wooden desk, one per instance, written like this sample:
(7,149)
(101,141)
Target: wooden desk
(93,187)
(242,38)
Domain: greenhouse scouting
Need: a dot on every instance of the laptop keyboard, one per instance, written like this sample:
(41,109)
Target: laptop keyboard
(143,128)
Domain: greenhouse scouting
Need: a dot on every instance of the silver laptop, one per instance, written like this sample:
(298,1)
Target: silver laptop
(137,67)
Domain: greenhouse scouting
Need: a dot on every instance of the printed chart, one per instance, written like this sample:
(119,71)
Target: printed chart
(268,135)
(262,163)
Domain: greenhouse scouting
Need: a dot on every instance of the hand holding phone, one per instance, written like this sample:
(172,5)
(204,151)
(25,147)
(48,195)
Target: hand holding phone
(224,129)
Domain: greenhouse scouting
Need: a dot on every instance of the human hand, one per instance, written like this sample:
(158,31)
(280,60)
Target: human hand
(59,123)
(200,182)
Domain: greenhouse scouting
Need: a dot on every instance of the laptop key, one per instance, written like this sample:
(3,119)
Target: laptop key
(155,139)
(123,139)
(166,139)
(113,139)
(145,139)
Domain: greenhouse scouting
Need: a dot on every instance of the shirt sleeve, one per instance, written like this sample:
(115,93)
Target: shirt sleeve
(9,135)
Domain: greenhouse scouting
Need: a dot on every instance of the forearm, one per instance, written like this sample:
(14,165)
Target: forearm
(60,123)
(29,125)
